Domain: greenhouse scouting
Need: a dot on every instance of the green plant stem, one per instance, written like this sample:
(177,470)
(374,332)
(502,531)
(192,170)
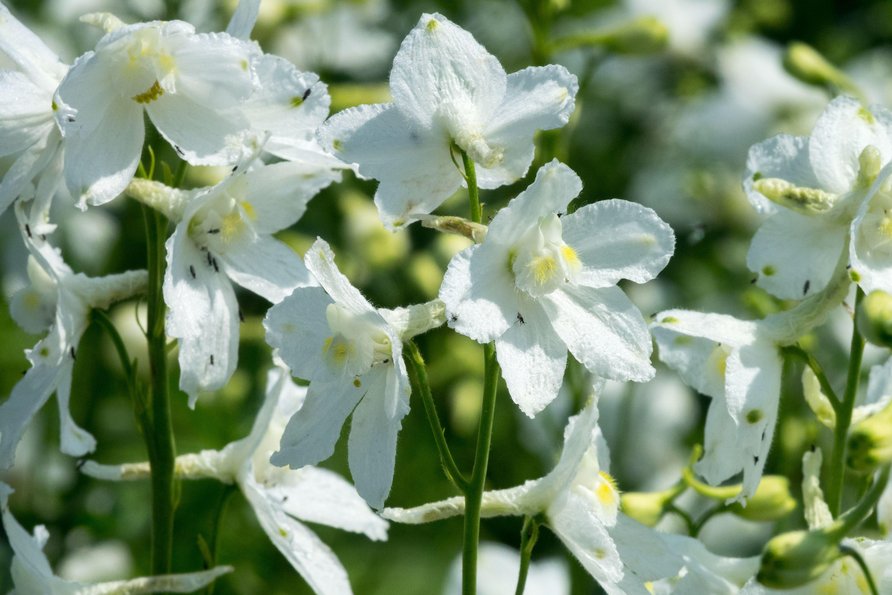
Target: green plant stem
(836,470)
(159,433)
(228,491)
(528,536)
(856,556)
(808,359)
(101,318)
(473,192)
(420,386)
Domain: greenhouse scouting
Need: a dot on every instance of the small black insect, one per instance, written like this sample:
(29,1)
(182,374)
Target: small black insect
(386,360)
(28,230)
(73,355)
(306,94)
(69,119)
(806,286)
(179,151)
(212,359)
(214,231)
(520,319)
(192,271)
(234,167)
(453,318)
(210,258)
(214,262)
(241,315)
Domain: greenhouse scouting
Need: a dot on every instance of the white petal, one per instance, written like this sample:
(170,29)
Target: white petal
(188,582)
(719,328)
(603,330)
(198,134)
(243,19)
(580,437)
(312,559)
(267,267)
(412,163)
(532,358)
(320,261)
(870,245)
(312,432)
(585,535)
(550,193)
(509,502)
(28,52)
(18,178)
(617,239)
(28,550)
(322,496)
(297,328)
(721,455)
(27,397)
(203,315)
(24,112)
(879,389)
(75,441)
(783,156)
(372,442)
(479,292)
(795,255)
(212,69)
(841,133)
(440,63)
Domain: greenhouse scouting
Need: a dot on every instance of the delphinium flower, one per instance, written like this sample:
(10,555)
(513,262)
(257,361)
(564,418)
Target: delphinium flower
(544,282)
(447,89)
(822,193)
(29,75)
(224,234)
(58,301)
(580,502)
(351,353)
(281,498)
(186,82)
(31,571)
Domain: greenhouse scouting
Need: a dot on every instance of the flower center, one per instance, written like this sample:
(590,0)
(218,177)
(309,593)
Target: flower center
(356,343)
(543,261)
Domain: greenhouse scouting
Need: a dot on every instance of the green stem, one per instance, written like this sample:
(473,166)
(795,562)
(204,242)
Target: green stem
(856,515)
(856,555)
(159,434)
(684,516)
(473,192)
(528,536)
(228,491)
(808,359)
(420,386)
(474,494)
(102,319)
(836,470)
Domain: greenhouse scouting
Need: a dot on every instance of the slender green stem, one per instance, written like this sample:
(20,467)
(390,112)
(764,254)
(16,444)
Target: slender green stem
(102,319)
(528,536)
(473,192)
(228,491)
(684,516)
(856,515)
(836,470)
(420,386)
(809,360)
(474,494)
(868,576)
(159,434)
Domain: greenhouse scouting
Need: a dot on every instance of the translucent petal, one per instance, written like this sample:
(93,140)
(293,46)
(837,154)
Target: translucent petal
(267,267)
(297,328)
(26,399)
(320,261)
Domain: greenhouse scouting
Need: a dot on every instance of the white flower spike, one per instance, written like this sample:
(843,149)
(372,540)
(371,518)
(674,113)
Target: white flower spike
(352,356)
(31,572)
(543,283)
(448,89)
(188,83)
(281,498)
(57,301)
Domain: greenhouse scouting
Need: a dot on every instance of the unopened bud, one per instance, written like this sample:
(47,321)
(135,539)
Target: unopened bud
(645,507)
(870,442)
(644,35)
(874,318)
(808,201)
(806,64)
(794,559)
(457,225)
(771,501)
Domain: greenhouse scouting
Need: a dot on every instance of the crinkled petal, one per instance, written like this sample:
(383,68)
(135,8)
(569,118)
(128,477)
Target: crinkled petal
(373,434)
(795,255)
(440,63)
(412,163)
(312,559)
(617,239)
(297,328)
(320,262)
(532,358)
(479,292)
(311,434)
(550,193)
(203,315)
(783,156)
(27,397)
(603,330)
(322,496)
(267,267)
(509,502)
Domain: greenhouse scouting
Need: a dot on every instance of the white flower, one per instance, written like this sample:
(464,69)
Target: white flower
(281,498)
(57,301)
(28,133)
(829,194)
(498,564)
(580,502)
(448,89)
(186,82)
(352,356)
(225,233)
(31,572)
(542,283)
(690,22)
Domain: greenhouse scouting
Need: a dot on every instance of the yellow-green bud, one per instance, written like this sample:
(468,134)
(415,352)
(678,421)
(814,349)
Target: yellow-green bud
(809,66)
(793,559)
(808,201)
(771,501)
(457,225)
(874,318)
(644,35)
(645,507)
(870,442)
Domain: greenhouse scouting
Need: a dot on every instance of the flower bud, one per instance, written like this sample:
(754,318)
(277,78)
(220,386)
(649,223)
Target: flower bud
(806,64)
(645,507)
(870,442)
(793,559)
(771,501)
(874,318)
(644,35)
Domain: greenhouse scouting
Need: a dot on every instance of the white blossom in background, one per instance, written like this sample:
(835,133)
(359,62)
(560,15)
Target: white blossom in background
(580,502)
(351,353)
(281,498)
(823,192)
(29,75)
(224,234)
(57,302)
(448,89)
(498,565)
(31,571)
(543,282)
(690,22)
(187,82)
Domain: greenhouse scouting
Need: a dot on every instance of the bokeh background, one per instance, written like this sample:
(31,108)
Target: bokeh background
(668,127)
